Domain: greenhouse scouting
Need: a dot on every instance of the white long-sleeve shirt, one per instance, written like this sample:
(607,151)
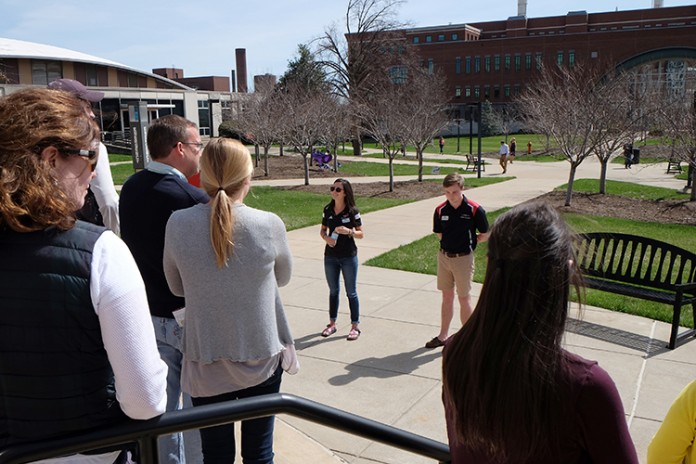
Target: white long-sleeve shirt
(105,193)
(120,302)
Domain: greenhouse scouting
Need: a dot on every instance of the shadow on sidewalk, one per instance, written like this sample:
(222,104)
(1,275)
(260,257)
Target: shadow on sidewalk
(386,367)
(647,345)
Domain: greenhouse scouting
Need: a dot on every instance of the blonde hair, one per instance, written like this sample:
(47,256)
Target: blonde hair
(225,167)
(31,120)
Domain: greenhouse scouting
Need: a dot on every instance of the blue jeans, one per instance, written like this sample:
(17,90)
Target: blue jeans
(333,268)
(168,334)
(257,434)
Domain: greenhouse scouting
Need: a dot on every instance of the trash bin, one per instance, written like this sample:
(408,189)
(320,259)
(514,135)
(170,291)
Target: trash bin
(636,156)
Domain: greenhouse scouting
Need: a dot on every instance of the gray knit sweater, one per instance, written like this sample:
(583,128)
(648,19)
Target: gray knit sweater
(233,313)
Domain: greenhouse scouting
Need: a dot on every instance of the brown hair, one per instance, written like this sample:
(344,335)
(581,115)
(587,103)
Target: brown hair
(504,372)
(453,179)
(31,120)
(225,166)
(165,132)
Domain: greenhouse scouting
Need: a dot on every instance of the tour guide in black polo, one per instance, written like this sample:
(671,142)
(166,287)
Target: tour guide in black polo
(456,222)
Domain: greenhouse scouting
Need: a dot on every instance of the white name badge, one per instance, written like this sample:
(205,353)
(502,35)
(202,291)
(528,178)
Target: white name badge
(345,220)
(444,218)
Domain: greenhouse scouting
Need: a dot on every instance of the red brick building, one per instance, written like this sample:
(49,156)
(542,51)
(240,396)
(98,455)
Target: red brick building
(496,60)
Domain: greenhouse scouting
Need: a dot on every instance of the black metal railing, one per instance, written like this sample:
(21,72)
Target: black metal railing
(145,433)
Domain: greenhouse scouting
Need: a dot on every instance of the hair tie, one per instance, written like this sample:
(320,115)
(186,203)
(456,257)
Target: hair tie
(220,189)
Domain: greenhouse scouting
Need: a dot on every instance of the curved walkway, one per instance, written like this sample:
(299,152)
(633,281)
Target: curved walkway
(388,376)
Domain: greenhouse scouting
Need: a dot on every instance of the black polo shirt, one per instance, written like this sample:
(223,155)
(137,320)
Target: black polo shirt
(458,226)
(345,245)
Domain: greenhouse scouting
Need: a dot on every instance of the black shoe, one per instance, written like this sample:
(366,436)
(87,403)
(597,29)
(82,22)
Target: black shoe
(435,343)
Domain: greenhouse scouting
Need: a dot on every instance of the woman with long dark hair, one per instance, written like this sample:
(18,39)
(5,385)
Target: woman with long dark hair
(340,226)
(512,394)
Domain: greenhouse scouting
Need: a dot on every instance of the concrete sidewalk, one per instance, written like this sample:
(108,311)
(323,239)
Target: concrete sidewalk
(387,375)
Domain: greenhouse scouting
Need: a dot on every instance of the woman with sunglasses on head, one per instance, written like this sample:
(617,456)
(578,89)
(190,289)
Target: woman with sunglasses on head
(512,393)
(340,226)
(77,348)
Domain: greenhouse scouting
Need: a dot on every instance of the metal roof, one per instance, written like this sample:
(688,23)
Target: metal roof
(11,48)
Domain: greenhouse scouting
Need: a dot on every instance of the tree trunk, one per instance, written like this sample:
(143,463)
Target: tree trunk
(419,155)
(357,147)
(256,155)
(306,168)
(335,157)
(603,175)
(391,174)
(571,178)
(282,148)
(691,177)
(265,160)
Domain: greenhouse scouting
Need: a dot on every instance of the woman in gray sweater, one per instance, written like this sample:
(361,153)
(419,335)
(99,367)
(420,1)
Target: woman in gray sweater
(227,260)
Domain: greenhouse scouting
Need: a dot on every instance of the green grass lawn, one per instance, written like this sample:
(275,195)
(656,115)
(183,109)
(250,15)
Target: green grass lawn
(489,144)
(421,256)
(627,189)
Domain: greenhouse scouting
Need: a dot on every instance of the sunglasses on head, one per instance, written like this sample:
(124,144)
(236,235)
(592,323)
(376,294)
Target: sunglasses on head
(337,189)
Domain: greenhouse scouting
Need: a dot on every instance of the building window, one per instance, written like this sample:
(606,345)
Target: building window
(455,36)
(467,65)
(506,90)
(457,91)
(496,91)
(518,63)
(487,92)
(43,72)
(203,117)
(559,58)
(571,58)
(458,65)
(431,66)
(487,64)
(539,61)
(428,38)
(528,62)
(132,80)
(441,38)
(517,89)
(398,74)
(477,91)
(496,63)
(416,40)
(467,92)
(91,75)
(477,64)
(507,62)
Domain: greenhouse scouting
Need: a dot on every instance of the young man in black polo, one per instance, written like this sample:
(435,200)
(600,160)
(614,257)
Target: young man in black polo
(460,224)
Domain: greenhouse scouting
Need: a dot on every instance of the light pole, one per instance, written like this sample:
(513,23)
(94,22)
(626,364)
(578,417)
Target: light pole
(459,126)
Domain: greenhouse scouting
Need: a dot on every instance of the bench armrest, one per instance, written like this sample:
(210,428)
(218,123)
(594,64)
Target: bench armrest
(685,287)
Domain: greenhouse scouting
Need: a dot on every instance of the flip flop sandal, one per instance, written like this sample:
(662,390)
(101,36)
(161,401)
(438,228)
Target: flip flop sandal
(329,330)
(353,334)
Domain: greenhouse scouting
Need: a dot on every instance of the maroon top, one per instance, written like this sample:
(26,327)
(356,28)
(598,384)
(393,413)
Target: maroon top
(597,431)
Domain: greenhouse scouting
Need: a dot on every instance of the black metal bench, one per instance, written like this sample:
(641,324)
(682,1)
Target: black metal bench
(472,163)
(643,268)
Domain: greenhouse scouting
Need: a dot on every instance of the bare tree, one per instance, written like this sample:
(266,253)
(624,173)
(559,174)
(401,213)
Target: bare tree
(336,117)
(385,116)
(427,104)
(349,63)
(260,119)
(679,120)
(568,105)
(302,124)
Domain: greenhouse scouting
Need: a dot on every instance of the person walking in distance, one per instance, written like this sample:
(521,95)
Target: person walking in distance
(513,149)
(459,224)
(148,198)
(340,226)
(504,151)
(442,144)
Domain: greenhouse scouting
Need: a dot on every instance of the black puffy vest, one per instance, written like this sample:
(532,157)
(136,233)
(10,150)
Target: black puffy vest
(55,377)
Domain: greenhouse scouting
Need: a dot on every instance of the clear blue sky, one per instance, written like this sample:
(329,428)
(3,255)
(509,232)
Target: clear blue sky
(155,34)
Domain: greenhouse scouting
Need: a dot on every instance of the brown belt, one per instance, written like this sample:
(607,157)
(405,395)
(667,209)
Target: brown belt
(453,255)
